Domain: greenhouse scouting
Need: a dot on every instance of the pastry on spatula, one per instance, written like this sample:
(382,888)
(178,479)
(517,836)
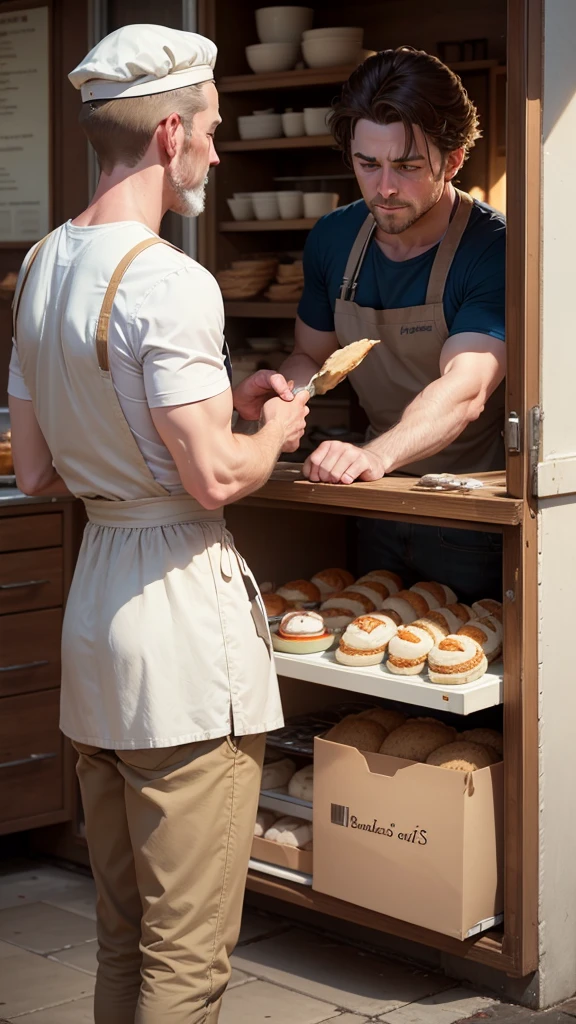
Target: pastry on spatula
(338,366)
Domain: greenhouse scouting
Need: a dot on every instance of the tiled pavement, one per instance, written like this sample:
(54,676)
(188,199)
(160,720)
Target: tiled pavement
(283,974)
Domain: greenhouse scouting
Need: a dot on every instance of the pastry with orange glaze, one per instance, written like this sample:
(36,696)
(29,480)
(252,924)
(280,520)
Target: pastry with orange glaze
(364,642)
(408,650)
(488,633)
(456,660)
(405,606)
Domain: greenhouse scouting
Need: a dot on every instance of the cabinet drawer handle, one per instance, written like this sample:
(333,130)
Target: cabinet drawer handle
(27,760)
(25,583)
(20,668)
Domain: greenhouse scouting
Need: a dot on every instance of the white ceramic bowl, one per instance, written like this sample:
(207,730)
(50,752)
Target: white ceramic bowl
(293,124)
(330,52)
(260,126)
(265,57)
(334,33)
(283,24)
(291,205)
(266,207)
(316,204)
(241,208)
(315,120)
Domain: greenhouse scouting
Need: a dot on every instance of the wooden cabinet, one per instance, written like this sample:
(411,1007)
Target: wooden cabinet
(36,554)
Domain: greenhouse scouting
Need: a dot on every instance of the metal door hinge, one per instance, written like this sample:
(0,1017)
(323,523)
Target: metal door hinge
(513,433)
(535,437)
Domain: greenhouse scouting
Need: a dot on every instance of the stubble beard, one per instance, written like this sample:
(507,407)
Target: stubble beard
(394,225)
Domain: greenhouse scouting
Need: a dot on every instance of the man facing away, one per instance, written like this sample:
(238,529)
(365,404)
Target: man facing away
(119,394)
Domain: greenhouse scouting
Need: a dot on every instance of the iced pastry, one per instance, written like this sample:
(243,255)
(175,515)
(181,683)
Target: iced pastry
(302,632)
(456,660)
(462,757)
(436,630)
(487,606)
(374,591)
(390,579)
(416,739)
(365,641)
(488,633)
(405,606)
(490,738)
(354,731)
(264,820)
(301,784)
(274,604)
(299,592)
(349,601)
(408,650)
(388,718)
(452,617)
(436,594)
(290,832)
(332,581)
(277,773)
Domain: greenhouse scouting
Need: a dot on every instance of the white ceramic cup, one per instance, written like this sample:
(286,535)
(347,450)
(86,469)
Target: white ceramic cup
(316,204)
(266,207)
(241,208)
(315,120)
(291,205)
(293,124)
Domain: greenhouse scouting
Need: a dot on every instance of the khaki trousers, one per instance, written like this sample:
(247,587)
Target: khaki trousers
(169,833)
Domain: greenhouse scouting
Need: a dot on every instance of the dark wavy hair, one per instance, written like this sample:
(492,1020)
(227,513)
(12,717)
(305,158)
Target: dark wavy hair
(413,87)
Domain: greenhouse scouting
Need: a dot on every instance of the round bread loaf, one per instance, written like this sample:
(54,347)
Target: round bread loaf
(388,718)
(301,784)
(277,773)
(274,604)
(407,604)
(433,593)
(363,733)
(490,738)
(373,590)
(462,757)
(332,581)
(487,606)
(389,579)
(415,740)
(264,820)
(290,832)
(300,591)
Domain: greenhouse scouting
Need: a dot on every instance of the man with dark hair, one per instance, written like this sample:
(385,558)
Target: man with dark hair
(420,265)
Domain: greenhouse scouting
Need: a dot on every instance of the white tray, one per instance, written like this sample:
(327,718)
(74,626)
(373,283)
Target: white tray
(324,670)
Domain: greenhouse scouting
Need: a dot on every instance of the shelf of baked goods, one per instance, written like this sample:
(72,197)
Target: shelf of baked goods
(261,309)
(300,142)
(324,670)
(302,224)
(392,497)
(304,77)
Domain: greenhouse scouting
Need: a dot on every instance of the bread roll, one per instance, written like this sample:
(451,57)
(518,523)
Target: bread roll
(433,593)
(488,633)
(437,630)
(462,757)
(264,820)
(300,592)
(350,600)
(407,605)
(290,832)
(388,718)
(415,740)
(277,774)
(301,784)
(337,618)
(332,581)
(389,579)
(456,660)
(408,650)
(274,604)
(374,591)
(487,606)
(452,617)
(353,731)
(490,738)
(364,641)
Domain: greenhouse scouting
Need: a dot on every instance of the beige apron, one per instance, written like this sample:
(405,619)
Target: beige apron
(409,356)
(165,638)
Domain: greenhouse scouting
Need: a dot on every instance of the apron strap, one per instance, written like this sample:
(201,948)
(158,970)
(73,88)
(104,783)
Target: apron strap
(18,298)
(447,249)
(356,259)
(106,311)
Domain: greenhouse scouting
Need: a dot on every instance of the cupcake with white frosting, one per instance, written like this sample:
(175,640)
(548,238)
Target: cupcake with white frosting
(365,641)
(408,650)
(405,606)
(438,595)
(488,633)
(456,660)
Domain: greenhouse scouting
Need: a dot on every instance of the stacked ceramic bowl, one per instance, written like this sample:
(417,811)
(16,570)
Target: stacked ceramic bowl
(262,124)
(280,32)
(331,47)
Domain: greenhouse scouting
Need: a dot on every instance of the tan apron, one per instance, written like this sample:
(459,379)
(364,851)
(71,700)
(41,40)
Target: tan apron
(165,638)
(409,356)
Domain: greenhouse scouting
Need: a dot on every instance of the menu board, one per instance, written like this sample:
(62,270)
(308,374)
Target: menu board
(24,125)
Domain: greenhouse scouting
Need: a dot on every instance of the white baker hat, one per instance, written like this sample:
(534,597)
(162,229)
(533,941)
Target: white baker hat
(139,60)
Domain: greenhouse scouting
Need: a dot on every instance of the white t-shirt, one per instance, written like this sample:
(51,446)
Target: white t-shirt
(166,332)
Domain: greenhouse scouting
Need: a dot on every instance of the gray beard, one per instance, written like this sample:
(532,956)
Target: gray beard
(191,200)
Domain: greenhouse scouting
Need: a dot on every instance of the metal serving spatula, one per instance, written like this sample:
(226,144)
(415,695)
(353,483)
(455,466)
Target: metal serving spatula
(337,367)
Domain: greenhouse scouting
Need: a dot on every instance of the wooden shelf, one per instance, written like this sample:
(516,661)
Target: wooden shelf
(301,142)
(261,309)
(486,949)
(392,497)
(304,224)
(304,77)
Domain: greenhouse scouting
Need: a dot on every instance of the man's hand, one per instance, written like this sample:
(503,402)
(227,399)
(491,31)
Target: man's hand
(250,396)
(335,462)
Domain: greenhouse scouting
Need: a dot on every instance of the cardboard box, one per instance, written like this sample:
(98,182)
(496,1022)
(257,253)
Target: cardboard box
(284,856)
(415,842)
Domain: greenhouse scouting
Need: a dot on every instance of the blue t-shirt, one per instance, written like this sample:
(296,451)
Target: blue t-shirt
(474,298)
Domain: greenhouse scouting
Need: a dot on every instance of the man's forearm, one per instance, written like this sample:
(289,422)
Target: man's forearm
(299,368)
(435,418)
(254,458)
